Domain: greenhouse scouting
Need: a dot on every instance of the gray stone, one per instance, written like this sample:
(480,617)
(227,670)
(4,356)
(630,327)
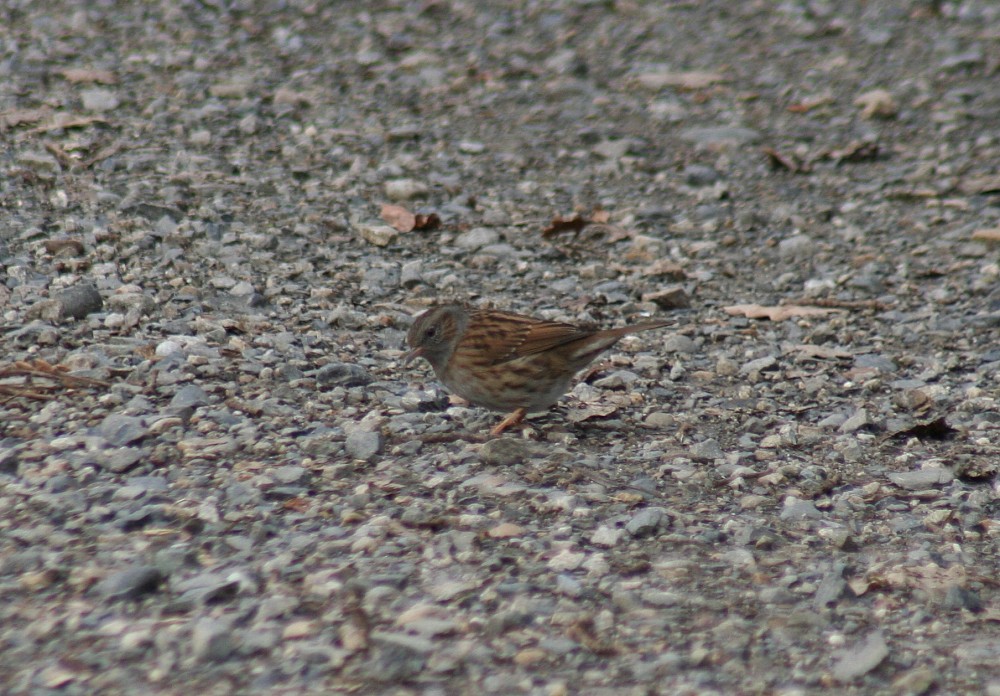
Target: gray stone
(922,479)
(188,398)
(505,451)
(131,583)
(795,509)
(646,522)
(700,175)
(343,375)
(121,430)
(719,136)
(707,449)
(405,189)
(363,444)
(856,421)
(759,365)
(861,658)
(99,100)
(119,459)
(79,301)
(211,640)
(476,238)
(679,343)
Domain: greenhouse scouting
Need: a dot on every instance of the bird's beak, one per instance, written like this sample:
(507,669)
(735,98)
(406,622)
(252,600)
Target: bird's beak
(412,355)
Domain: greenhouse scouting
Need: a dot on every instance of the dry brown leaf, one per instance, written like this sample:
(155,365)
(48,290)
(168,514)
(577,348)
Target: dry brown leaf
(85,75)
(426,221)
(297,504)
(600,216)
(399,217)
(562,223)
(779,313)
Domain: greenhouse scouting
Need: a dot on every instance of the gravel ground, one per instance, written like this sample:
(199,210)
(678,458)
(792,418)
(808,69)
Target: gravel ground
(216,475)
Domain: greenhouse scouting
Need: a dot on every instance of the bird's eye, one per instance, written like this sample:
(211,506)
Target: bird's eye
(431,332)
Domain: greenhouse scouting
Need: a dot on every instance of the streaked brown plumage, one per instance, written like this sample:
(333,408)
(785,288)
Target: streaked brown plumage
(504,361)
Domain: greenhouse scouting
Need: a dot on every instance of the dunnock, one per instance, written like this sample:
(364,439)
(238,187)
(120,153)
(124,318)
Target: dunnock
(507,362)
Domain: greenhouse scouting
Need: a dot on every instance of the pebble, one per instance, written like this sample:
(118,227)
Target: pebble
(211,640)
(660,419)
(38,161)
(758,365)
(131,583)
(477,238)
(119,430)
(700,175)
(861,658)
(854,422)
(119,459)
(188,398)
(80,300)
(720,136)
(707,450)
(364,444)
(922,479)
(795,509)
(377,234)
(606,536)
(99,100)
(343,375)
(405,189)
(505,452)
(646,522)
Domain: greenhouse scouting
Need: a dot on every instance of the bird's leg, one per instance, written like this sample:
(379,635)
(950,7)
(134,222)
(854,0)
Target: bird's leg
(513,419)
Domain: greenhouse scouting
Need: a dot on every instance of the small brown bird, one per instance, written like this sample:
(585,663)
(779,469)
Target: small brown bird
(504,361)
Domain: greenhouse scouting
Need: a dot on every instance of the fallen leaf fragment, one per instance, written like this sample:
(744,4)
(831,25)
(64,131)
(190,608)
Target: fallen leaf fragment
(779,313)
(398,216)
(424,221)
(562,223)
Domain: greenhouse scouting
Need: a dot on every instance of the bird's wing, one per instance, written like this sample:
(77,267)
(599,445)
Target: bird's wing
(499,337)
